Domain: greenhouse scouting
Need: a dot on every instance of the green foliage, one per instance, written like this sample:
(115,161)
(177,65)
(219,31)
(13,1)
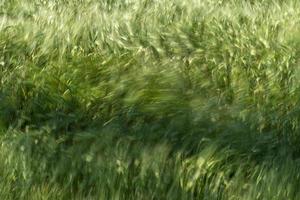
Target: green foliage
(149,99)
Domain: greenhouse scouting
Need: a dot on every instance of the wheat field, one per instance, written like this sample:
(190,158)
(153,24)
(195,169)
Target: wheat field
(149,99)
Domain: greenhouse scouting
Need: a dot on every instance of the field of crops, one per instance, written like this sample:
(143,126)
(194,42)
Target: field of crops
(149,99)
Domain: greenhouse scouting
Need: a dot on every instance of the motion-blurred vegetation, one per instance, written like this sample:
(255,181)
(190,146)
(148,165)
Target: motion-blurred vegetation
(149,99)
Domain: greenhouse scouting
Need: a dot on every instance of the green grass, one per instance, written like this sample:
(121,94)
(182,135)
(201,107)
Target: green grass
(148,99)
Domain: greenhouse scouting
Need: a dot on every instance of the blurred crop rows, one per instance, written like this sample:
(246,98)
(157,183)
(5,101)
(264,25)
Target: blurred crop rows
(149,99)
